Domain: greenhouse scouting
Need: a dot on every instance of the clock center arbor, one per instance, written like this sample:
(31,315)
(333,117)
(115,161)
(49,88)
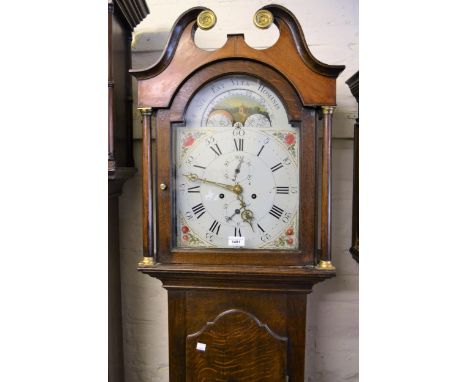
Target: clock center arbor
(230,196)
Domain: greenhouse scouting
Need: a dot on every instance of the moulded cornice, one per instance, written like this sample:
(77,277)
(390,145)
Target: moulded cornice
(314,81)
(134,11)
(281,13)
(353,83)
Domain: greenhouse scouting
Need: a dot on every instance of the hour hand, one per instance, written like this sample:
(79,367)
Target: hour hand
(237,170)
(237,189)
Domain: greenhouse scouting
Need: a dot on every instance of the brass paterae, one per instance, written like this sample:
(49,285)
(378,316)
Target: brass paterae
(206,19)
(263,18)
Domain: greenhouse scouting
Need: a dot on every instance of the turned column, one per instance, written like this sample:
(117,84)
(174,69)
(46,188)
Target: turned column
(147,187)
(110,94)
(325,255)
(353,83)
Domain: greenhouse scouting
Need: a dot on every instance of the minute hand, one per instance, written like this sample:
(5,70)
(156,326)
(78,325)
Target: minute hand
(237,189)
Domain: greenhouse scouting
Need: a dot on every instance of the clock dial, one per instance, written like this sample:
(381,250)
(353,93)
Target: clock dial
(237,173)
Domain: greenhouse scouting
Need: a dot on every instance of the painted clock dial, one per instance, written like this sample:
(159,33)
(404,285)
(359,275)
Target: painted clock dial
(237,170)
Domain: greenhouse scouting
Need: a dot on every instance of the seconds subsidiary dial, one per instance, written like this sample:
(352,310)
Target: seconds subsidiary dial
(237,174)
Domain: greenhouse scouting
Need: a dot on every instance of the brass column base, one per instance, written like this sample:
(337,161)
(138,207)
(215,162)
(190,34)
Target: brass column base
(326,265)
(146,261)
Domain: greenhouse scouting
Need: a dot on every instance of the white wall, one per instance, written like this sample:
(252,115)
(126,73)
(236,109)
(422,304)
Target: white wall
(331,31)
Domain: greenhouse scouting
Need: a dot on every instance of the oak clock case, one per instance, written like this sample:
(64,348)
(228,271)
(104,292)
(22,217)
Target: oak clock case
(243,116)
(237,169)
(230,196)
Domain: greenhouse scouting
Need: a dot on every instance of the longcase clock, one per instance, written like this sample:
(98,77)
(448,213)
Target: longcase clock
(123,17)
(230,196)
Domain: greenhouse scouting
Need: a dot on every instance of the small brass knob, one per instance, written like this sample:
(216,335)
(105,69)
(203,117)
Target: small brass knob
(162,186)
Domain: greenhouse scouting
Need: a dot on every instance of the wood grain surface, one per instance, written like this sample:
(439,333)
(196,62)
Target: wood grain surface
(314,81)
(236,347)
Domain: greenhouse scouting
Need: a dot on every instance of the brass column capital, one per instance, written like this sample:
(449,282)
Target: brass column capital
(328,109)
(146,110)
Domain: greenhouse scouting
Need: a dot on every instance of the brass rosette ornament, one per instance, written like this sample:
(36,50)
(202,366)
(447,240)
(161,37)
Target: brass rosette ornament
(263,19)
(206,19)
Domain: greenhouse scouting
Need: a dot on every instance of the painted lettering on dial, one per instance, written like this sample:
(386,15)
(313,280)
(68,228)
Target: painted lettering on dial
(215,226)
(276,211)
(260,151)
(239,143)
(216,149)
(199,210)
(276,167)
(194,189)
(283,190)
